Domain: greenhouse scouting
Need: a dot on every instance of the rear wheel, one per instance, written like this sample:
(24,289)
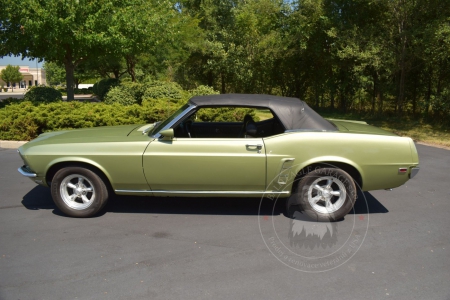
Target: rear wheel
(326,194)
(78,192)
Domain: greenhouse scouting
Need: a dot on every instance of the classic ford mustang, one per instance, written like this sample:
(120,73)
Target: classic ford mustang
(290,151)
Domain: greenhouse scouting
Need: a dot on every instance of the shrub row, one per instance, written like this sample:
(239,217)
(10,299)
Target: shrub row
(42,110)
(129,93)
(25,120)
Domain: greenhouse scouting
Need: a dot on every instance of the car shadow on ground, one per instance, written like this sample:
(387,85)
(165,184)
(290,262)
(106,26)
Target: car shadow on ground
(40,198)
(368,204)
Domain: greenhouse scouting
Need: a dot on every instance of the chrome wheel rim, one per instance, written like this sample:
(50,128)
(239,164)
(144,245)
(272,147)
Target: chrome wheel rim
(327,194)
(77,192)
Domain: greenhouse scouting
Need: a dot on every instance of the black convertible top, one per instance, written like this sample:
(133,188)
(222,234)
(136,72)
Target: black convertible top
(292,112)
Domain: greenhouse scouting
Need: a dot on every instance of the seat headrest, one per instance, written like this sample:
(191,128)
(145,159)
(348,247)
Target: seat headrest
(251,129)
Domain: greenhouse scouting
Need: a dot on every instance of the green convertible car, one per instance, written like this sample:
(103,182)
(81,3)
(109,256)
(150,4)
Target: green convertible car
(280,148)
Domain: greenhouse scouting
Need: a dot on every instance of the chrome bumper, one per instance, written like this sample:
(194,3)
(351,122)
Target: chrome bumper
(414,172)
(26,172)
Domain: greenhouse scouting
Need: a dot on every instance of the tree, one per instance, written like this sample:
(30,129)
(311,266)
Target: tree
(107,66)
(146,27)
(66,33)
(11,74)
(74,31)
(54,73)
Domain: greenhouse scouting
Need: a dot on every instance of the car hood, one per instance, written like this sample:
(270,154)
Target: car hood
(359,127)
(87,135)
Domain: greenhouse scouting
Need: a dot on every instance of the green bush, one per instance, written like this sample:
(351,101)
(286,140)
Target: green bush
(25,120)
(121,95)
(127,103)
(95,88)
(8,101)
(225,114)
(164,90)
(158,109)
(136,89)
(42,94)
(102,87)
(202,90)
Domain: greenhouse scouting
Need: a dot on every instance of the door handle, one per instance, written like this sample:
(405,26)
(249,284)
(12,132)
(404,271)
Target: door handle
(257,146)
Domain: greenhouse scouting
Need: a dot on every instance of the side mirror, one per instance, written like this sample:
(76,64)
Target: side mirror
(167,135)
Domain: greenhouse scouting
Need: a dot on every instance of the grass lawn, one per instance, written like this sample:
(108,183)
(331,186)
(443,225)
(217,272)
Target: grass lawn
(420,132)
(424,133)
(407,126)
(263,114)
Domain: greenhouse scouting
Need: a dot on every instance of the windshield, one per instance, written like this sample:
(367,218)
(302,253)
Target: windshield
(161,125)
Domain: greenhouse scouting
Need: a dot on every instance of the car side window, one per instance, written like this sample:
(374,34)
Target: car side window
(229,122)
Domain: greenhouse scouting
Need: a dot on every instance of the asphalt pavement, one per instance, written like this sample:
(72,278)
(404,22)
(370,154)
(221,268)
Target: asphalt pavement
(5,95)
(214,248)
(20,94)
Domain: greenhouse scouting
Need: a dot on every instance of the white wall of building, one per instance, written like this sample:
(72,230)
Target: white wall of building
(32,77)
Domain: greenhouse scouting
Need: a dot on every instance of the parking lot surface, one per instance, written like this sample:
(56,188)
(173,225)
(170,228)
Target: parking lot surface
(213,248)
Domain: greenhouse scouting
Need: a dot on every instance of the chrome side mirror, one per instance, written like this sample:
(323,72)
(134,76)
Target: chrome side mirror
(167,135)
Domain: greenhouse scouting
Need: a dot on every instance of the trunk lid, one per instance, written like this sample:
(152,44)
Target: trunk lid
(359,127)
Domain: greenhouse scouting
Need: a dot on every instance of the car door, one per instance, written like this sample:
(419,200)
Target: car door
(206,164)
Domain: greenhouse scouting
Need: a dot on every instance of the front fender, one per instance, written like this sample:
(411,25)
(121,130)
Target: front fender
(73,159)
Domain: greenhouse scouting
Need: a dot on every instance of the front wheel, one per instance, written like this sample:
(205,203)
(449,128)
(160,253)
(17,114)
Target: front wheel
(78,192)
(326,194)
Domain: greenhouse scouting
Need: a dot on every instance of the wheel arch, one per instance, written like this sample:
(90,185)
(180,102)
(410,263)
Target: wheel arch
(55,166)
(348,167)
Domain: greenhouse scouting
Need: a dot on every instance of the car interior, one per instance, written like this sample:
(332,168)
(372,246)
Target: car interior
(192,127)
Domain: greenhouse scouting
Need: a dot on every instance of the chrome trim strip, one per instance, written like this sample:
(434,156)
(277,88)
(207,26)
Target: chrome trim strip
(25,173)
(414,172)
(134,191)
(203,192)
(308,130)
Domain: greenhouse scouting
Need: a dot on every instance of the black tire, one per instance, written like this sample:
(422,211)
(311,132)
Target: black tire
(79,192)
(326,194)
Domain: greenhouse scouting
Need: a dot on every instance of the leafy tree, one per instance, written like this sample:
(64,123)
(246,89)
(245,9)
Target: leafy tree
(54,73)
(71,32)
(83,73)
(66,33)
(11,74)
(107,66)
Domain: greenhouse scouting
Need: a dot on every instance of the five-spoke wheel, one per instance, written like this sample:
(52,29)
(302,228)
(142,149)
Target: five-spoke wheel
(326,194)
(79,192)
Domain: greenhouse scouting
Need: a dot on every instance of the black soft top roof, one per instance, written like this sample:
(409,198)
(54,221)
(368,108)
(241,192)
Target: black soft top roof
(292,112)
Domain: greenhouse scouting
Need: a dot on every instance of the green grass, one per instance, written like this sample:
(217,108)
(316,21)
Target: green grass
(425,133)
(406,126)
(263,114)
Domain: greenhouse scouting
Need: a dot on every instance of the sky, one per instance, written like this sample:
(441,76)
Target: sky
(17,61)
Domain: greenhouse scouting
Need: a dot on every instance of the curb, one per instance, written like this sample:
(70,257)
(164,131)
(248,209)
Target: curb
(432,145)
(11,144)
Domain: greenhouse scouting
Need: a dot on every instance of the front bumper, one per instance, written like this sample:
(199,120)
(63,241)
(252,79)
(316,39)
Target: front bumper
(25,171)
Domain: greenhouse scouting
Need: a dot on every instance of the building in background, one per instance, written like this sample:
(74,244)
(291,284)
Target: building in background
(31,77)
